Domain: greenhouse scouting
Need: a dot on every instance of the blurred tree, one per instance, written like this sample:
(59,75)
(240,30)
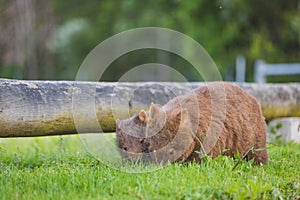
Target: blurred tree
(59,34)
(24,27)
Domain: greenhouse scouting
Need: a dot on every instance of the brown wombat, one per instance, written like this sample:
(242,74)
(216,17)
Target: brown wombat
(219,118)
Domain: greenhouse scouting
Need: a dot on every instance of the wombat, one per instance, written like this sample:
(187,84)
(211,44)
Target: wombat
(217,119)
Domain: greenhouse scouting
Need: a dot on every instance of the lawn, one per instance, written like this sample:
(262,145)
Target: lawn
(61,168)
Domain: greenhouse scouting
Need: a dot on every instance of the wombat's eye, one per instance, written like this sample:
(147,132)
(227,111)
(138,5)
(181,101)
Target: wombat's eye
(124,148)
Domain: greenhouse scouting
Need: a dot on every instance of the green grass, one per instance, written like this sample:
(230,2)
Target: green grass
(60,168)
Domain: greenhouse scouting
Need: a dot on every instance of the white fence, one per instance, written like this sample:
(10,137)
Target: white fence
(263,69)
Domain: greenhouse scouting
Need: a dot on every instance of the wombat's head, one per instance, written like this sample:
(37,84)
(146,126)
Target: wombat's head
(155,135)
(131,136)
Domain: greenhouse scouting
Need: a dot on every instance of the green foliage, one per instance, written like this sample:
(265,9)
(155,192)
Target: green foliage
(276,136)
(225,28)
(60,168)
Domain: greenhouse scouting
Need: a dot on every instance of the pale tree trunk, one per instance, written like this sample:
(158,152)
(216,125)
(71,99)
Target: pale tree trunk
(40,108)
(26,26)
(27,22)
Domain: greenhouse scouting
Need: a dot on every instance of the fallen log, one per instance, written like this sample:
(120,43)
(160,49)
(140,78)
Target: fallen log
(44,108)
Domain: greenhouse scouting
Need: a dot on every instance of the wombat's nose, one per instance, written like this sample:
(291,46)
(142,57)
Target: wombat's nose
(146,158)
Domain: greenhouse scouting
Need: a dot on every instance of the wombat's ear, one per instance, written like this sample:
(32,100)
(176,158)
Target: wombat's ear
(154,111)
(142,116)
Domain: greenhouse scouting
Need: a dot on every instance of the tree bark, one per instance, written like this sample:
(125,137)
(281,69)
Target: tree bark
(43,108)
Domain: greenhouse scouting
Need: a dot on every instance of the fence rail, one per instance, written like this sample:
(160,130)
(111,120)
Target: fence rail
(42,108)
(263,69)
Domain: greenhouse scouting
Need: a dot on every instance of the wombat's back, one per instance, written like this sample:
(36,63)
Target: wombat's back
(244,128)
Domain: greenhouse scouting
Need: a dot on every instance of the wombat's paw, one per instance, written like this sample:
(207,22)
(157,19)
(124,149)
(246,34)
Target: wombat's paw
(261,157)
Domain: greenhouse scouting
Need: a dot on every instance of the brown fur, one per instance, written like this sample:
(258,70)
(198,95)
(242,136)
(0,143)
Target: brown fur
(219,118)
(132,142)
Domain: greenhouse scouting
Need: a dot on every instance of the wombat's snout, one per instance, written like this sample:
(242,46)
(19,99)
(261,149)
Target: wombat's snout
(132,157)
(137,157)
(146,158)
